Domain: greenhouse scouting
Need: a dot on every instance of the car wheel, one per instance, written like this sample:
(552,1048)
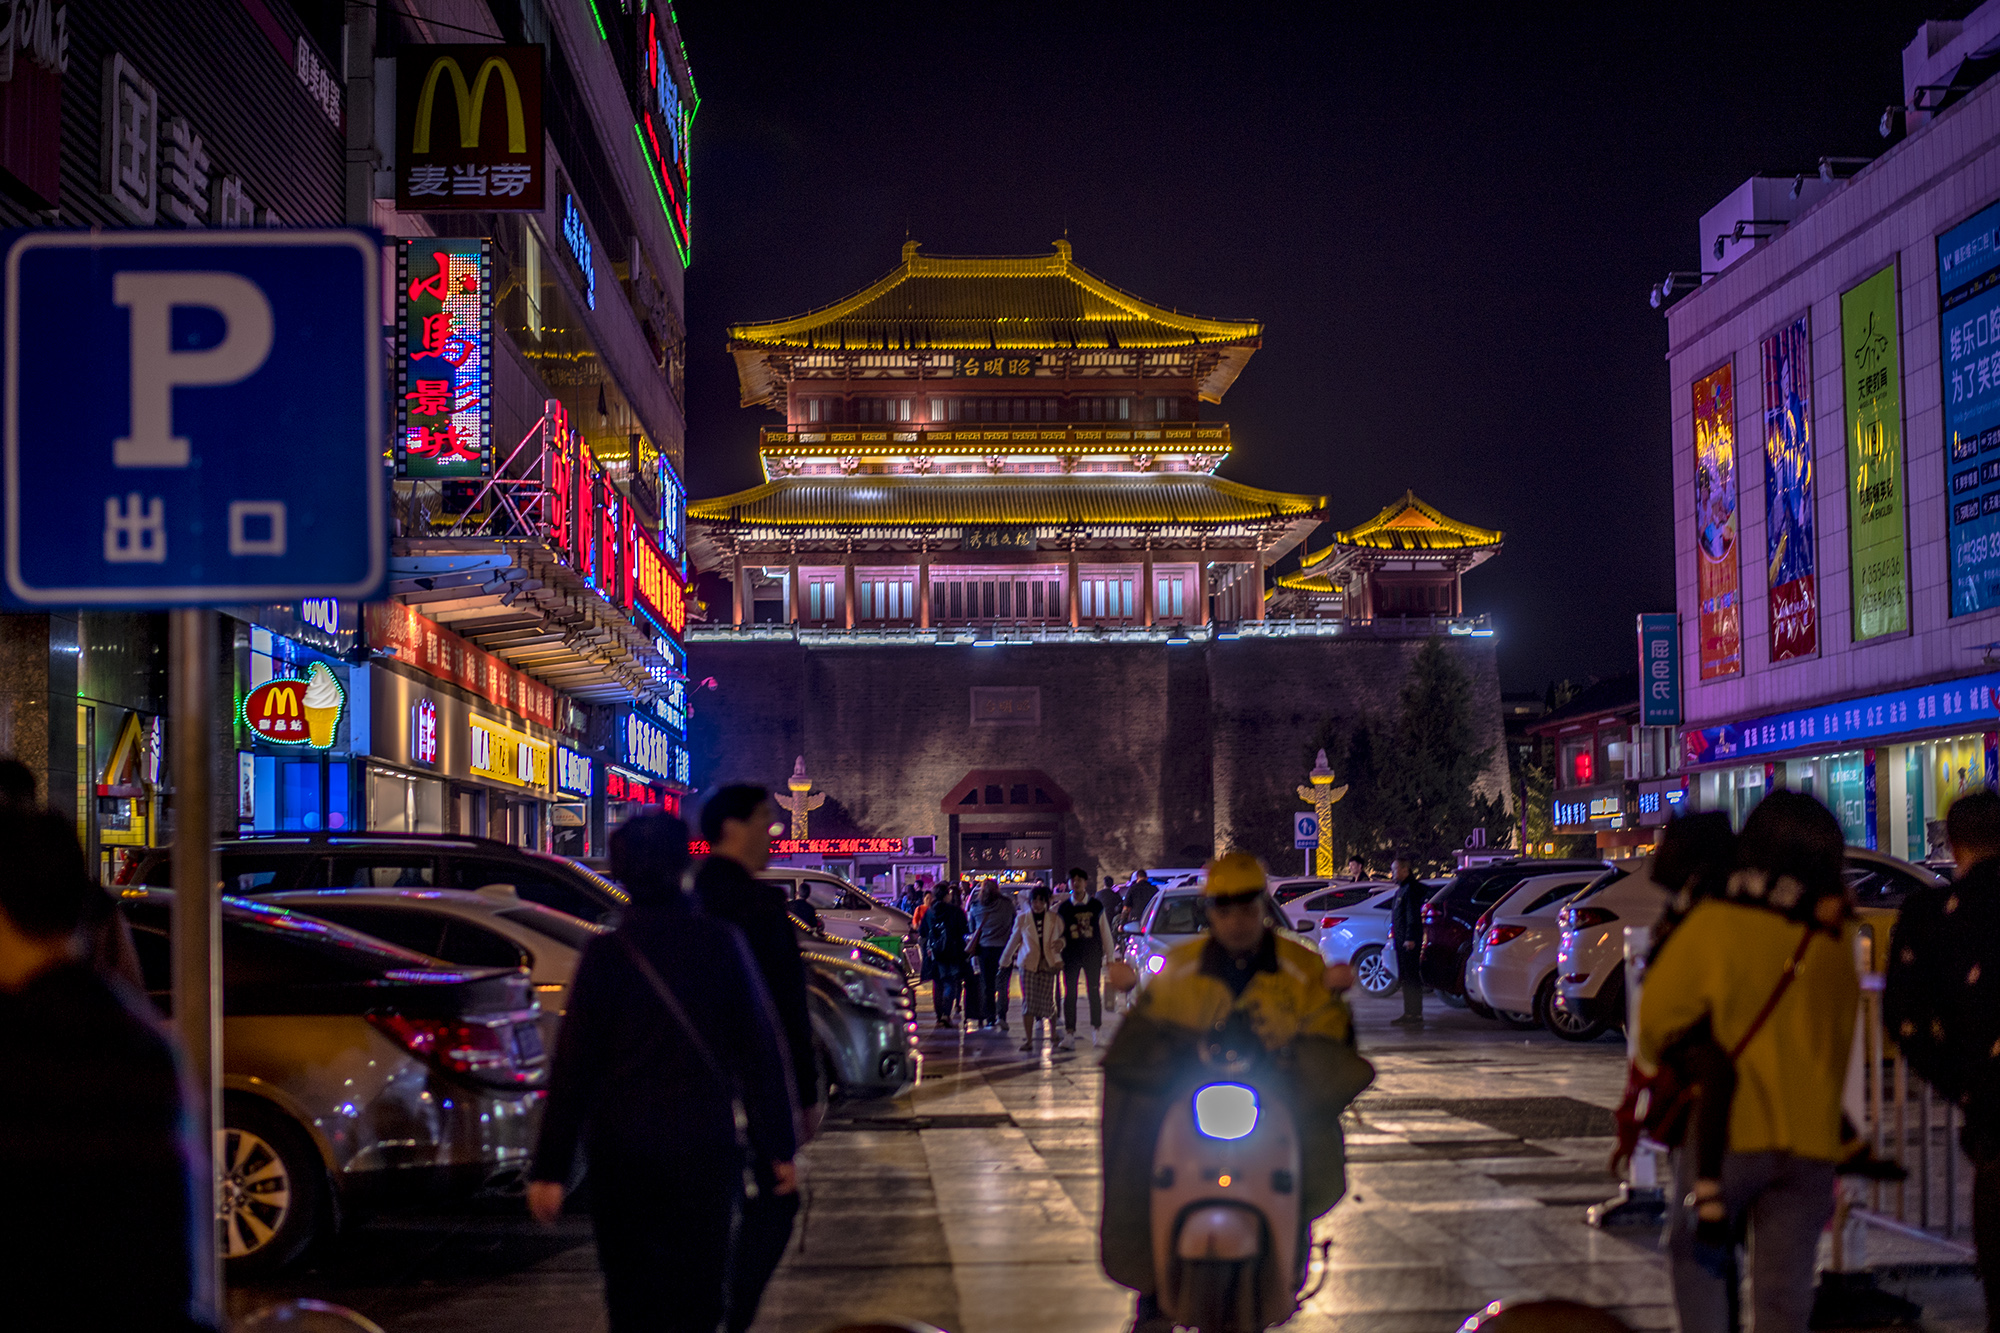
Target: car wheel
(1520,1022)
(1566,1023)
(1482,1010)
(1371,971)
(274,1190)
(824,1071)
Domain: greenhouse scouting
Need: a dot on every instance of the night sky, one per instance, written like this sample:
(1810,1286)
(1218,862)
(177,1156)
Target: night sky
(1447,227)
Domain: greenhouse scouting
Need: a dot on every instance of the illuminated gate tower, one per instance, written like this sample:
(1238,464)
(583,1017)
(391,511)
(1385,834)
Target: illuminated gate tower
(994,444)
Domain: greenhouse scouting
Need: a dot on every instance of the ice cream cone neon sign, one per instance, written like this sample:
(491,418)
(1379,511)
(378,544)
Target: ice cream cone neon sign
(297,712)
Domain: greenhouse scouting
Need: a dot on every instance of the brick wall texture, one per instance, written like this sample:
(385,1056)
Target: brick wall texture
(1169,754)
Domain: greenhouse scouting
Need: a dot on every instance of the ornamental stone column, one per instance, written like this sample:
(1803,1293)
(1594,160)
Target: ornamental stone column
(1321,794)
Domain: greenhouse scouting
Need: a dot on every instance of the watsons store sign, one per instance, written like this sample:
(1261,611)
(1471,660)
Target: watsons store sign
(1968,702)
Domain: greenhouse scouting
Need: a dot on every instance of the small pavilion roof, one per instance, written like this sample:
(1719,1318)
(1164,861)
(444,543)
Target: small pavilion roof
(1409,525)
(1033,303)
(1110,500)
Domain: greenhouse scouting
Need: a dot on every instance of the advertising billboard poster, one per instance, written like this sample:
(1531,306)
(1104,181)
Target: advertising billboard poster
(1969,360)
(1718,582)
(1872,373)
(469,129)
(444,367)
(1788,493)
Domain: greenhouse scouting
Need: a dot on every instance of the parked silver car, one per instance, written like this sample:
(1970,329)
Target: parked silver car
(1356,931)
(1178,915)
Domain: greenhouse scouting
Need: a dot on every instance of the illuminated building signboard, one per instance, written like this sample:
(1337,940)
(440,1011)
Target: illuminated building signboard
(647,746)
(444,341)
(296,712)
(506,755)
(825,847)
(666,112)
(572,771)
(424,732)
(656,583)
(469,129)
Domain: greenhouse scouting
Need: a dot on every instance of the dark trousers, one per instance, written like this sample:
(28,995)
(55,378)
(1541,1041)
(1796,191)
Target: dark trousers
(766,1231)
(992,985)
(1090,966)
(945,988)
(1412,982)
(665,1268)
(1986,1232)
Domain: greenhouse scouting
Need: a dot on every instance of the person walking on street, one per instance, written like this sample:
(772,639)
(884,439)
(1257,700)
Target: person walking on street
(1037,942)
(1768,966)
(95,1120)
(1940,1001)
(1083,955)
(1406,930)
(671,1075)
(945,929)
(1114,908)
(1138,896)
(992,922)
(739,823)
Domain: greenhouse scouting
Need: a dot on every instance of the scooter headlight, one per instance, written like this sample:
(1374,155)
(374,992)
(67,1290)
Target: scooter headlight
(1225,1110)
(1155,963)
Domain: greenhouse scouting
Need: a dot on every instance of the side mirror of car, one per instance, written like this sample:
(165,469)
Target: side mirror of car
(1133,928)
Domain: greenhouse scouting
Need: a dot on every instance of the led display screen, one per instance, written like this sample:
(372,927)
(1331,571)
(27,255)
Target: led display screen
(444,341)
(1969,360)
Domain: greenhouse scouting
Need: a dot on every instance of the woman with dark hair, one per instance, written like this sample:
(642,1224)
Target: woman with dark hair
(671,1075)
(945,929)
(1768,965)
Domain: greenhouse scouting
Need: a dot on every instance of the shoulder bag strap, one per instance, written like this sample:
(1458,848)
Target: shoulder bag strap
(1778,993)
(673,1005)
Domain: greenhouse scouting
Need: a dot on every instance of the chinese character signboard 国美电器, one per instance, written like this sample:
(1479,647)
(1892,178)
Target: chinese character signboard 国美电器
(1872,370)
(1659,669)
(1793,606)
(1717,583)
(228,445)
(469,129)
(444,344)
(1969,361)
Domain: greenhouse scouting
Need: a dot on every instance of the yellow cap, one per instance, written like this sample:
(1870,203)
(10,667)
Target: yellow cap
(1233,875)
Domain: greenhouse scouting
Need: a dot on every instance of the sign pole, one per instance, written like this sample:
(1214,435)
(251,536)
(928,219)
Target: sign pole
(197,916)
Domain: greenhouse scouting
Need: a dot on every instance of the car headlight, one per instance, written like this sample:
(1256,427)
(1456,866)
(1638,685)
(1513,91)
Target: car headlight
(867,992)
(1225,1110)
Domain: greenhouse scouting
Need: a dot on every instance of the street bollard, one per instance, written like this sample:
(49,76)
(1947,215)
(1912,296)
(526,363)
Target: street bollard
(1640,1201)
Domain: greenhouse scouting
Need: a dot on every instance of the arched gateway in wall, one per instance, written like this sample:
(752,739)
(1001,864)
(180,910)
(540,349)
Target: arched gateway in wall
(1007,823)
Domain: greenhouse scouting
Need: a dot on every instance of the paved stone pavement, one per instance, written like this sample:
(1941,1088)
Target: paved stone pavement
(971,1202)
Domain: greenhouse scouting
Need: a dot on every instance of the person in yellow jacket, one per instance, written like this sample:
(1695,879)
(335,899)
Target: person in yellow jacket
(1785,910)
(1238,982)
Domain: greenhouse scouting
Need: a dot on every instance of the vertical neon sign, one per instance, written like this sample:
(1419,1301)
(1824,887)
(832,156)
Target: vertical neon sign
(444,317)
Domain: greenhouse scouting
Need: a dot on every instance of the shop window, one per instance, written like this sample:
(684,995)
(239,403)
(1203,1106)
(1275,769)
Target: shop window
(993,794)
(821,600)
(1018,794)
(1579,765)
(1168,598)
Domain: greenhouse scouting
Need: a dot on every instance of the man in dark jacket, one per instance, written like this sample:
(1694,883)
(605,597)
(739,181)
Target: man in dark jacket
(739,823)
(1406,927)
(1938,1000)
(95,1142)
(648,1083)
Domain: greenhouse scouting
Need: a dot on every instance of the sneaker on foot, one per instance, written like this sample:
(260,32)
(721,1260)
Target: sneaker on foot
(1028,1045)
(1407,1021)
(1068,1043)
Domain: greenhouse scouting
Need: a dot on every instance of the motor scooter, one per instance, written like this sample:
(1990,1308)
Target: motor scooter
(1228,1239)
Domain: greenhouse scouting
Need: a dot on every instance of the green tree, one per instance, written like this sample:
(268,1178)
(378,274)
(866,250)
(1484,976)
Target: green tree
(1359,819)
(1429,789)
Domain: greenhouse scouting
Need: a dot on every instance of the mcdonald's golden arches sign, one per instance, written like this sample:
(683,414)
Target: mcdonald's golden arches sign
(469,129)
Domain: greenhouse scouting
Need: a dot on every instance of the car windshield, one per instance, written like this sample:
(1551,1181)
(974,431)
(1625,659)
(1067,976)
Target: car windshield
(1187,914)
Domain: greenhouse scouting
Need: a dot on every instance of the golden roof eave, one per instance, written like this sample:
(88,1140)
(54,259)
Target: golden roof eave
(1408,526)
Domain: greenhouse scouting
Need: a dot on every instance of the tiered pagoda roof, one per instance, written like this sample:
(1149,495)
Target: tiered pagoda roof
(1035,303)
(1407,528)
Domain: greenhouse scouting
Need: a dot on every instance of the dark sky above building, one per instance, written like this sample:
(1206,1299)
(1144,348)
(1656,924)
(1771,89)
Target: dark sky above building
(1447,224)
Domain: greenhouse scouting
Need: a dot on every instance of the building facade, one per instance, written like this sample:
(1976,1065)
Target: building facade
(526,162)
(994,592)
(1835,495)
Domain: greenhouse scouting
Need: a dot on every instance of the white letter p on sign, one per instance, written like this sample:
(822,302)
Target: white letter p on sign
(158,369)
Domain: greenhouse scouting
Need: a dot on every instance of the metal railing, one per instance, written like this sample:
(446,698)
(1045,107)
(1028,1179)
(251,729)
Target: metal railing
(1045,631)
(1909,1124)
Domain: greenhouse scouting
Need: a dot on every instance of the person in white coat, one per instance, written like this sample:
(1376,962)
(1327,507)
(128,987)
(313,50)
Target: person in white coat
(1037,946)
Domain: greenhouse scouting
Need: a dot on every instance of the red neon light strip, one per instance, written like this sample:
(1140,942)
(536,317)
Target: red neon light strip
(821,847)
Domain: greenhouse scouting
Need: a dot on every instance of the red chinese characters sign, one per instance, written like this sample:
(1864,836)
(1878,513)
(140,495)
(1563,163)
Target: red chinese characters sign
(656,583)
(444,338)
(422,643)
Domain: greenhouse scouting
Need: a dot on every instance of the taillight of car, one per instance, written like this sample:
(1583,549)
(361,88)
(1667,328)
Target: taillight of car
(1499,935)
(1430,914)
(1329,922)
(1479,926)
(1582,918)
(490,1052)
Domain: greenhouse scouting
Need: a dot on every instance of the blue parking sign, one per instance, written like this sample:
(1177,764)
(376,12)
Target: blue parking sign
(193,417)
